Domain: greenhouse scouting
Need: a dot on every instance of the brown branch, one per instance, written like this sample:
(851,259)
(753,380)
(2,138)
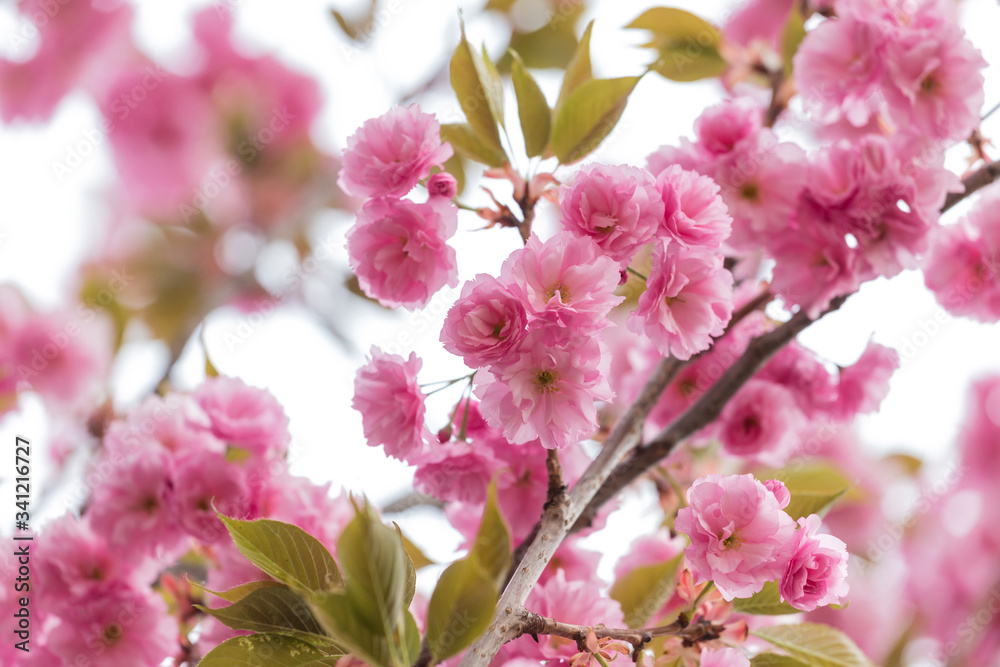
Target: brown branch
(704,411)
(532,624)
(975,181)
(557,489)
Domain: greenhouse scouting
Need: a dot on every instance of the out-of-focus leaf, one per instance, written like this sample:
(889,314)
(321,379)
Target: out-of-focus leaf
(477,93)
(287,553)
(493,86)
(687,45)
(499,5)
(765,603)
(775,660)
(460,608)
(552,45)
(589,115)
(643,591)
(791,37)
(814,487)
(277,650)
(578,71)
(417,557)
(343,620)
(465,142)
(815,645)
(532,109)
(492,548)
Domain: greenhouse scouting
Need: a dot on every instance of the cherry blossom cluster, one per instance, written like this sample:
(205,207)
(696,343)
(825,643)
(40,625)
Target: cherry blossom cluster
(398,248)
(163,472)
(741,538)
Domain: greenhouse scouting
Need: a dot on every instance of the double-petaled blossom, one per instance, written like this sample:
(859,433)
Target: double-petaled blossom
(864,384)
(817,570)
(486,322)
(741,538)
(206,483)
(545,389)
(723,657)
(243,416)
(963,266)
(566,281)
(760,422)
(688,300)
(616,206)
(388,155)
(456,470)
(391,404)
(694,213)
(399,252)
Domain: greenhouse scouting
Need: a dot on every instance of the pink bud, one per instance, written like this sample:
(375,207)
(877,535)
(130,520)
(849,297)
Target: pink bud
(442,184)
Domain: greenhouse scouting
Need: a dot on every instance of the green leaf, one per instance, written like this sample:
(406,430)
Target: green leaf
(492,548)
(341,617)
(578,71)
(286,552)
(477,93)
(765,603)
(237,593)
(589,115)
(814,487)
(465,142)
(460,608)
(688,46)
(416,556)
(552,45)
(377,570)
(774,660)
(791,37)
(271,649)
(271,610)
(532,109)
(493,86)
(815,645)
(643,591)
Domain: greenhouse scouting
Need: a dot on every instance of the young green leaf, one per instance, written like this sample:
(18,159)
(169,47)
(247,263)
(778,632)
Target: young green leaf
(815,645)
(492,548)
(460,608)
(578,71)
(791,37)
(281,651)
(286,552)
(766,603)
(589,115)
(643,591)
(416,556)
(687,45)
(814,488)
(465,142)
(774,660)
(532,109)
(372,643)
(237,593)
(271,610)
(477,93)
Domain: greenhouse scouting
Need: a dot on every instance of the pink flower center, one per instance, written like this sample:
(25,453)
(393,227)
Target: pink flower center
(559,288)
(750,191)
(733,541)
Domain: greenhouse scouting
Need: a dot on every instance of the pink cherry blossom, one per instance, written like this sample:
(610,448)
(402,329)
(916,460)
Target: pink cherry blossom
(391,404)
(399,252)
(456,470)
(387,155)
(799,370)
(865,383)
(132,507)
(694,214)
(935,87)
(616,206)
(575,562)
(545,389)
(723,657)
(442,184)
(817,572)
(205,483)
(688,300)
(729,127)
(117,626)
(243,416)
(762,422)
(565,280)
(486,322)
(740,537)
(650,550)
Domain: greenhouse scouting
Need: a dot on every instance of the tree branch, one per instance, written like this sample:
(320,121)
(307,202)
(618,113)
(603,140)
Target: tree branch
(975,181)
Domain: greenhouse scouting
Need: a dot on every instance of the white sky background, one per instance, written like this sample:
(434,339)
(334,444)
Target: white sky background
(48,227)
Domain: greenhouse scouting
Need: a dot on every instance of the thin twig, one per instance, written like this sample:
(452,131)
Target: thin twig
(975,181)
(533,624)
